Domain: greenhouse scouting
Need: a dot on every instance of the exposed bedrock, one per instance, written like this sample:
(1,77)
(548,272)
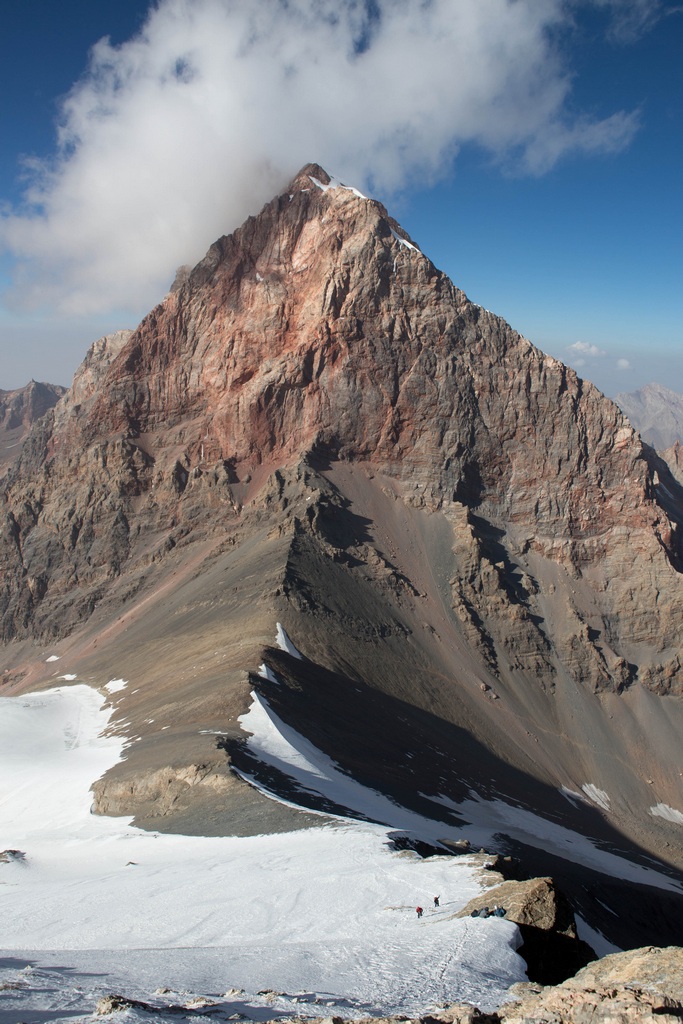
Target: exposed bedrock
(550,944)
(319,328)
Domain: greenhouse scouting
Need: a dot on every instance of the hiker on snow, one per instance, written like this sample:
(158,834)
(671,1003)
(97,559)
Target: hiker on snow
(419,911)
(436,901)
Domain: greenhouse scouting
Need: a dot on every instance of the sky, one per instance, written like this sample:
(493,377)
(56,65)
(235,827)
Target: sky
(533,151)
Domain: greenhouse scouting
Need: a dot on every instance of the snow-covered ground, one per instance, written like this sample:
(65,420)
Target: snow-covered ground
(318,922)
(324,918)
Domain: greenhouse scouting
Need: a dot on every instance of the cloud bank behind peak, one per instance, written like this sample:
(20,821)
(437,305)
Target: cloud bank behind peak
(173,137)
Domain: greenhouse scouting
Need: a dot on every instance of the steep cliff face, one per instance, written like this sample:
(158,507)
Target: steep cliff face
(317,426)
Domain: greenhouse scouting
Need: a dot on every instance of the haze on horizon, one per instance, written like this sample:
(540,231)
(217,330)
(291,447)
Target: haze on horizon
(478,123)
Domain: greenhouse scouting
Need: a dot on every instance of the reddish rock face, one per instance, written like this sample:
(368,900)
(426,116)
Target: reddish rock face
(319,325)
(319,328)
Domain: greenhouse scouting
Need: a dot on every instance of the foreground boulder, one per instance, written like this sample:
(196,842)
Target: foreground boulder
(641,986)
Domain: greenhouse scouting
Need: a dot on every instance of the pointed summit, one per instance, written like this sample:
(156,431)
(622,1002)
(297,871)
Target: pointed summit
(309,171)
(318,327)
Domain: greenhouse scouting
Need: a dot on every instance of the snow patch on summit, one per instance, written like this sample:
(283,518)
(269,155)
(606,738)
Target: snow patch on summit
(265,672)
(116,685)
(405,242)
(571,795)
(336,183)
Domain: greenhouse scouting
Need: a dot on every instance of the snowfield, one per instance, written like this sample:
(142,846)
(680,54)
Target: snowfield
(318,922)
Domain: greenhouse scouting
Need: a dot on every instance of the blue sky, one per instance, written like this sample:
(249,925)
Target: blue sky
(533,151)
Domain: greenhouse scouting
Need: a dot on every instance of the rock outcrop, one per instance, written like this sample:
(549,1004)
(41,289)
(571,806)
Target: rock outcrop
(642,985)
(317,427)
(550,943)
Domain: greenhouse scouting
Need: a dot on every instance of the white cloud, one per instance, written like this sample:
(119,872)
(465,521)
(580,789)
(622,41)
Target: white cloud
(175,136)
(584,348)
(623,364)
(629,19)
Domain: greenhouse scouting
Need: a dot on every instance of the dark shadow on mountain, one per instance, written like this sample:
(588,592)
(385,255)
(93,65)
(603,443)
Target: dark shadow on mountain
(414,757)
(332,519)
(405,841)
(272,780)
(669,496)
(550,957)
(628,914)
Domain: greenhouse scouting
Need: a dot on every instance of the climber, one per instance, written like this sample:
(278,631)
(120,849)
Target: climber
(419,911)
(436,901)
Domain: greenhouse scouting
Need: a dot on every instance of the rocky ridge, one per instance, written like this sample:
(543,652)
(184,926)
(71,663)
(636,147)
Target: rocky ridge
(317,427)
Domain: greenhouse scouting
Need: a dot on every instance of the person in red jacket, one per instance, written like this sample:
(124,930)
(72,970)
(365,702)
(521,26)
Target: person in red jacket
(419,911)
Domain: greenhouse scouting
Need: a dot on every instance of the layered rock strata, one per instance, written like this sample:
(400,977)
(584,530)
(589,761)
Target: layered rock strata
(319,328)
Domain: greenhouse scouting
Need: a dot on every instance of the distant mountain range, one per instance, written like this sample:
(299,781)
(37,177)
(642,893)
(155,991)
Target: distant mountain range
(656,412)
(19,410)
(471,548)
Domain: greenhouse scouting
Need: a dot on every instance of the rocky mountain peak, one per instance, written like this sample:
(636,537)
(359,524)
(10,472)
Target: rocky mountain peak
(319,329)
(319,325)
(317,427)
(269,317)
